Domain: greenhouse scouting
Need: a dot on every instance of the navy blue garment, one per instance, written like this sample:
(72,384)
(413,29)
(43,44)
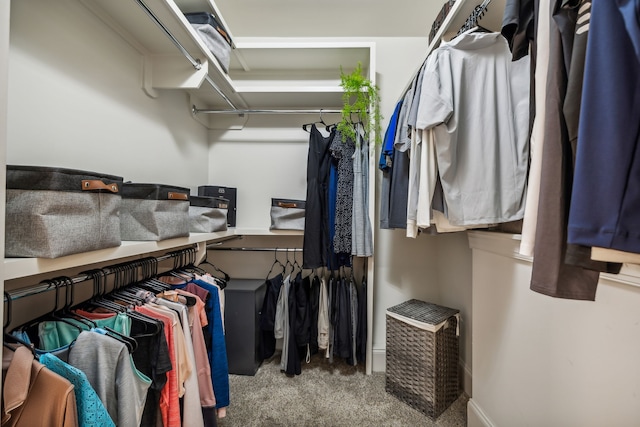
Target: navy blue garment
(606,195)
(386,154)
(218,353)
(268,316)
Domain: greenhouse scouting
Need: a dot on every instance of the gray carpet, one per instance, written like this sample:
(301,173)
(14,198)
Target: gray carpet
(324,395)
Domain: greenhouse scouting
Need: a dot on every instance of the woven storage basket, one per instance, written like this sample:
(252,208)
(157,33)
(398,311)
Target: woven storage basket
(422,356)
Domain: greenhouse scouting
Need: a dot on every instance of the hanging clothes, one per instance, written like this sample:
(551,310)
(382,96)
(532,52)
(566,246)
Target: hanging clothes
(552,275)
(218,353)
(109,368)
(169,403)
(415,157)
(323,317)
(151,357)
(537,141)
(302,321)
(399,177)
(361,340)
(314,313)
(482,162)
(342,344)
(292,361)
(342,149)
(385,164)
(34,396)
(268,316)
(282,328)
(353,315)
(610,144)
(54,334)
(192,410)
(91,411)
(361,234)
(316,230)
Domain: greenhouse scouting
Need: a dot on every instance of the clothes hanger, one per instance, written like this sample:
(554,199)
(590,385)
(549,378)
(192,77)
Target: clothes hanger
(113,306)
(215,268)
(275,262)
(321,121)
(8,338)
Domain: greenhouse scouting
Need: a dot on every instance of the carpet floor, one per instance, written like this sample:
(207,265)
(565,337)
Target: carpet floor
(325,394)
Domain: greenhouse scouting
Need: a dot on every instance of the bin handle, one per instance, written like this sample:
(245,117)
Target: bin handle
(177,196)
(96,184)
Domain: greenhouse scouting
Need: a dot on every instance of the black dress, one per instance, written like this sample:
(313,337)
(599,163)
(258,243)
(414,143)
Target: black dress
(316,229)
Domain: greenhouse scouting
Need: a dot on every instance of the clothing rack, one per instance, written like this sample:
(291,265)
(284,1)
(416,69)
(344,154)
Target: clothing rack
(194,62)
(253,111)
(216,248)
(186,256)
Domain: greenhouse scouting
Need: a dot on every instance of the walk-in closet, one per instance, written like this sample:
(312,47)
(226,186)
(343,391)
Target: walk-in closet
(542,314)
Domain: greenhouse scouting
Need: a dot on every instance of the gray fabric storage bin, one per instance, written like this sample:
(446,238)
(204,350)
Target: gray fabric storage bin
(287,214)
(207,214)
(53,212)
(214,36)
(154,212)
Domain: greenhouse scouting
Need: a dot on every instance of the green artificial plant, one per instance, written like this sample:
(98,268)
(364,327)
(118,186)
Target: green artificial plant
(361,103)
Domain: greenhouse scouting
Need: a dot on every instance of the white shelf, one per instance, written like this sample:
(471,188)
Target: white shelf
(15,268)
(271,73)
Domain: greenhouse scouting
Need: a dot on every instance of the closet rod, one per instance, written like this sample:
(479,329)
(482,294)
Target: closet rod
(283,250)
(194,62)
(44,287)
(250,111)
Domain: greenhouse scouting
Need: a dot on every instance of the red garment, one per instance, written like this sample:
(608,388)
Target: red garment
(169,401)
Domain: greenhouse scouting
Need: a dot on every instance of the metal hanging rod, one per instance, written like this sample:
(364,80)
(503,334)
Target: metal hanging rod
(44,287)
(194,61)
(241,249)
(251,111)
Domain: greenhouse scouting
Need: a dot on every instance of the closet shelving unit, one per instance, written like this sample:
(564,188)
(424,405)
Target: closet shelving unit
(264,74)
(299,75)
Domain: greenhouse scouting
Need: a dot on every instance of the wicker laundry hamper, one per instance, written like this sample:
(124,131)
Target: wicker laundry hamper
(422,355)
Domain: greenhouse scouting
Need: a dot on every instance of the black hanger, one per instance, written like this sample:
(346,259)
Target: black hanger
(275,262)
(8,338)
(321,121)
(215,268)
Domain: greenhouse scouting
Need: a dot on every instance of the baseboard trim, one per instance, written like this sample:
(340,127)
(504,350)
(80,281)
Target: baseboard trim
(476,416)
(467,378)
(379,361)
(380,365)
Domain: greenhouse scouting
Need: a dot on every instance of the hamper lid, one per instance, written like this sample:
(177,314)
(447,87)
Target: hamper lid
(422,314)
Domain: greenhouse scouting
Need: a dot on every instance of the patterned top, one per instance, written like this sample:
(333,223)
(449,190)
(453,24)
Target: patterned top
(343,152)
(91,411)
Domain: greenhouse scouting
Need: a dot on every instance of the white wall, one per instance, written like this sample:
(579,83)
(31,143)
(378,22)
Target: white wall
(4,71)
(75,101)
(268,158)
(542,361)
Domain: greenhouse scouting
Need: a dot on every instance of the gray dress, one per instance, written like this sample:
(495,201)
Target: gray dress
(361,234)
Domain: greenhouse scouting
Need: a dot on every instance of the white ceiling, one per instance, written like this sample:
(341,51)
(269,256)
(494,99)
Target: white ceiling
(329,18)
